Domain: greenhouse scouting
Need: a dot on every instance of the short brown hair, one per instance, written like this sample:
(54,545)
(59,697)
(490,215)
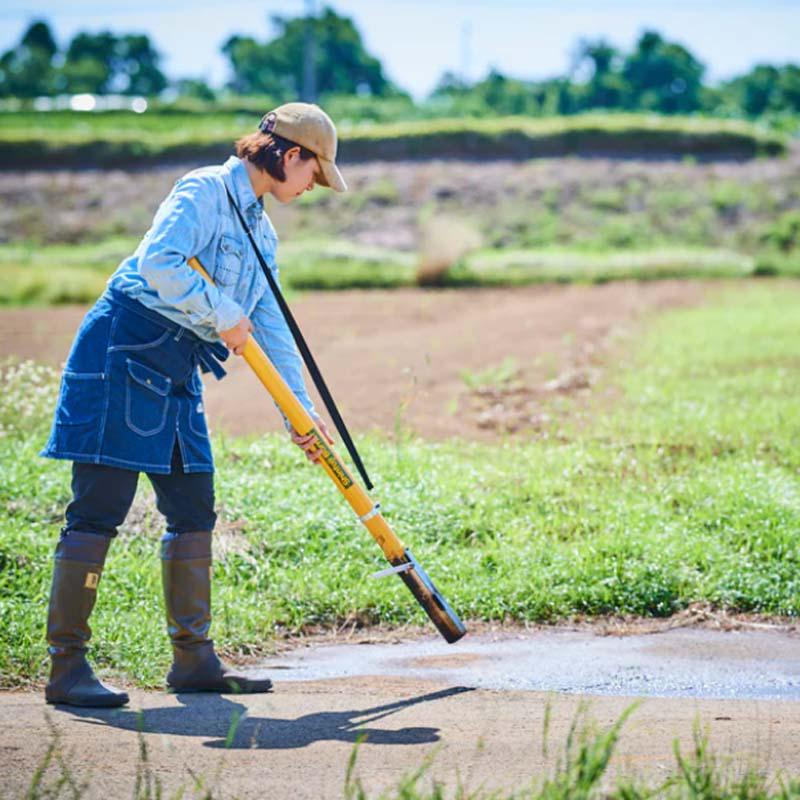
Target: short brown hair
(266,151)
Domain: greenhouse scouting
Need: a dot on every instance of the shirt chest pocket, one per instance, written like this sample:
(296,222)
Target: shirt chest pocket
(228,268)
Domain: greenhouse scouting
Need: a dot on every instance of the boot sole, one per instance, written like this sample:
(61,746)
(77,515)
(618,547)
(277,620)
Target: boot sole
(113,702)
(226,689)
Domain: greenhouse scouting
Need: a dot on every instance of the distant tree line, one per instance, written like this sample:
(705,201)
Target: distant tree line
(98,63)
(656,75)
(342,64)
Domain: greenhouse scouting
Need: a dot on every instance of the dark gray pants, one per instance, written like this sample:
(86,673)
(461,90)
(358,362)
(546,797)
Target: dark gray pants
(102,497)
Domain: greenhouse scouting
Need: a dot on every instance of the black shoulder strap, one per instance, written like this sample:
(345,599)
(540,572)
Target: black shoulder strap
(313,370)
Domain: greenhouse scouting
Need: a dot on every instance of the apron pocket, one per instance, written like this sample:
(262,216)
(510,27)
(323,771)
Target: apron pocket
(134,333)
(146,399)
(81,398)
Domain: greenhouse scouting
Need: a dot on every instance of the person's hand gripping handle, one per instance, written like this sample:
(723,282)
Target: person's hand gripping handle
(235,338)
(308,444)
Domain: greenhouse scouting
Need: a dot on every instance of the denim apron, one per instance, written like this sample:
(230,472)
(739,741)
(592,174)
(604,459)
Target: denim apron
(131,389)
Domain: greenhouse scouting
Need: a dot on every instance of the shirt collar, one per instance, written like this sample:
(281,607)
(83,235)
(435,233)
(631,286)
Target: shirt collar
(239,184)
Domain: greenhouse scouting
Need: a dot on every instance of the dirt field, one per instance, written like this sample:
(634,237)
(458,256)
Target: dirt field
(403,358)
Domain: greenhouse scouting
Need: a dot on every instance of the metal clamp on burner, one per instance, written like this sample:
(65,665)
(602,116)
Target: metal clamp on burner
(374,511)
(392,570)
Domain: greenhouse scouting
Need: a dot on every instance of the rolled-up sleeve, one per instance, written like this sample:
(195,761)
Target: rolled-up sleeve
(273,335)
(180,231)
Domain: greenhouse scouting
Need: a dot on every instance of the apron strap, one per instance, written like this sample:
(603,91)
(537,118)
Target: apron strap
(209,356)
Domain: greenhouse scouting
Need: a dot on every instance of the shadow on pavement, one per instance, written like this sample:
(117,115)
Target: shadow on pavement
(227,725)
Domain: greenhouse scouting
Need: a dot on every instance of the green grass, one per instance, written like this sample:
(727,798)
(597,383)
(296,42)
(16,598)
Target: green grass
(62,273)
(496,376)
(62,138)
(42,275)
(688,490)
(337,264)
(591,133)
(552,265)
(77,273)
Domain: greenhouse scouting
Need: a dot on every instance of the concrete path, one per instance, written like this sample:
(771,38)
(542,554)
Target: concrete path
(686,662)
(492,712)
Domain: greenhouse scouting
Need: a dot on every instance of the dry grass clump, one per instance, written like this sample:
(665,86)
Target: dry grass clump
(444,240)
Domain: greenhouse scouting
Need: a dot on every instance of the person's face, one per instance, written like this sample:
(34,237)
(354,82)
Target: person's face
(300,176)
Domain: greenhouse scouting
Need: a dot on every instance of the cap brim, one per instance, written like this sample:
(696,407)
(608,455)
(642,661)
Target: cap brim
(330,175)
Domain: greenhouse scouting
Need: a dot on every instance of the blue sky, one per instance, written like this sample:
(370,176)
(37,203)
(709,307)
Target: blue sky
(418,40)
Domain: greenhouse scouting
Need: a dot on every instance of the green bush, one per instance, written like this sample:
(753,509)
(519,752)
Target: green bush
(784,233)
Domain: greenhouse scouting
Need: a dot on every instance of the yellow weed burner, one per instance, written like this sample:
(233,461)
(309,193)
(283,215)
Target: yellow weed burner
(402,561)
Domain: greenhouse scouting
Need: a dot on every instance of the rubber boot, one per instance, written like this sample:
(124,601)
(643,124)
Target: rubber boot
(186,573)
(79,560)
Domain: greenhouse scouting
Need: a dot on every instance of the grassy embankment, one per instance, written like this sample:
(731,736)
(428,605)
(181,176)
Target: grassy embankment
(687,492)
(63,138)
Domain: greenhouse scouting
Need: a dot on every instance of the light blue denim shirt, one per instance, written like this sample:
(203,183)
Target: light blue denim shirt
(196,219)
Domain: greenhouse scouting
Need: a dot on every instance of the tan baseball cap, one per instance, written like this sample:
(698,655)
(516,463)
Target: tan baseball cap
(308,125)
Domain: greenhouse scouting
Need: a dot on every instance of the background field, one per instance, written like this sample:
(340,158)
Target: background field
(492,223)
